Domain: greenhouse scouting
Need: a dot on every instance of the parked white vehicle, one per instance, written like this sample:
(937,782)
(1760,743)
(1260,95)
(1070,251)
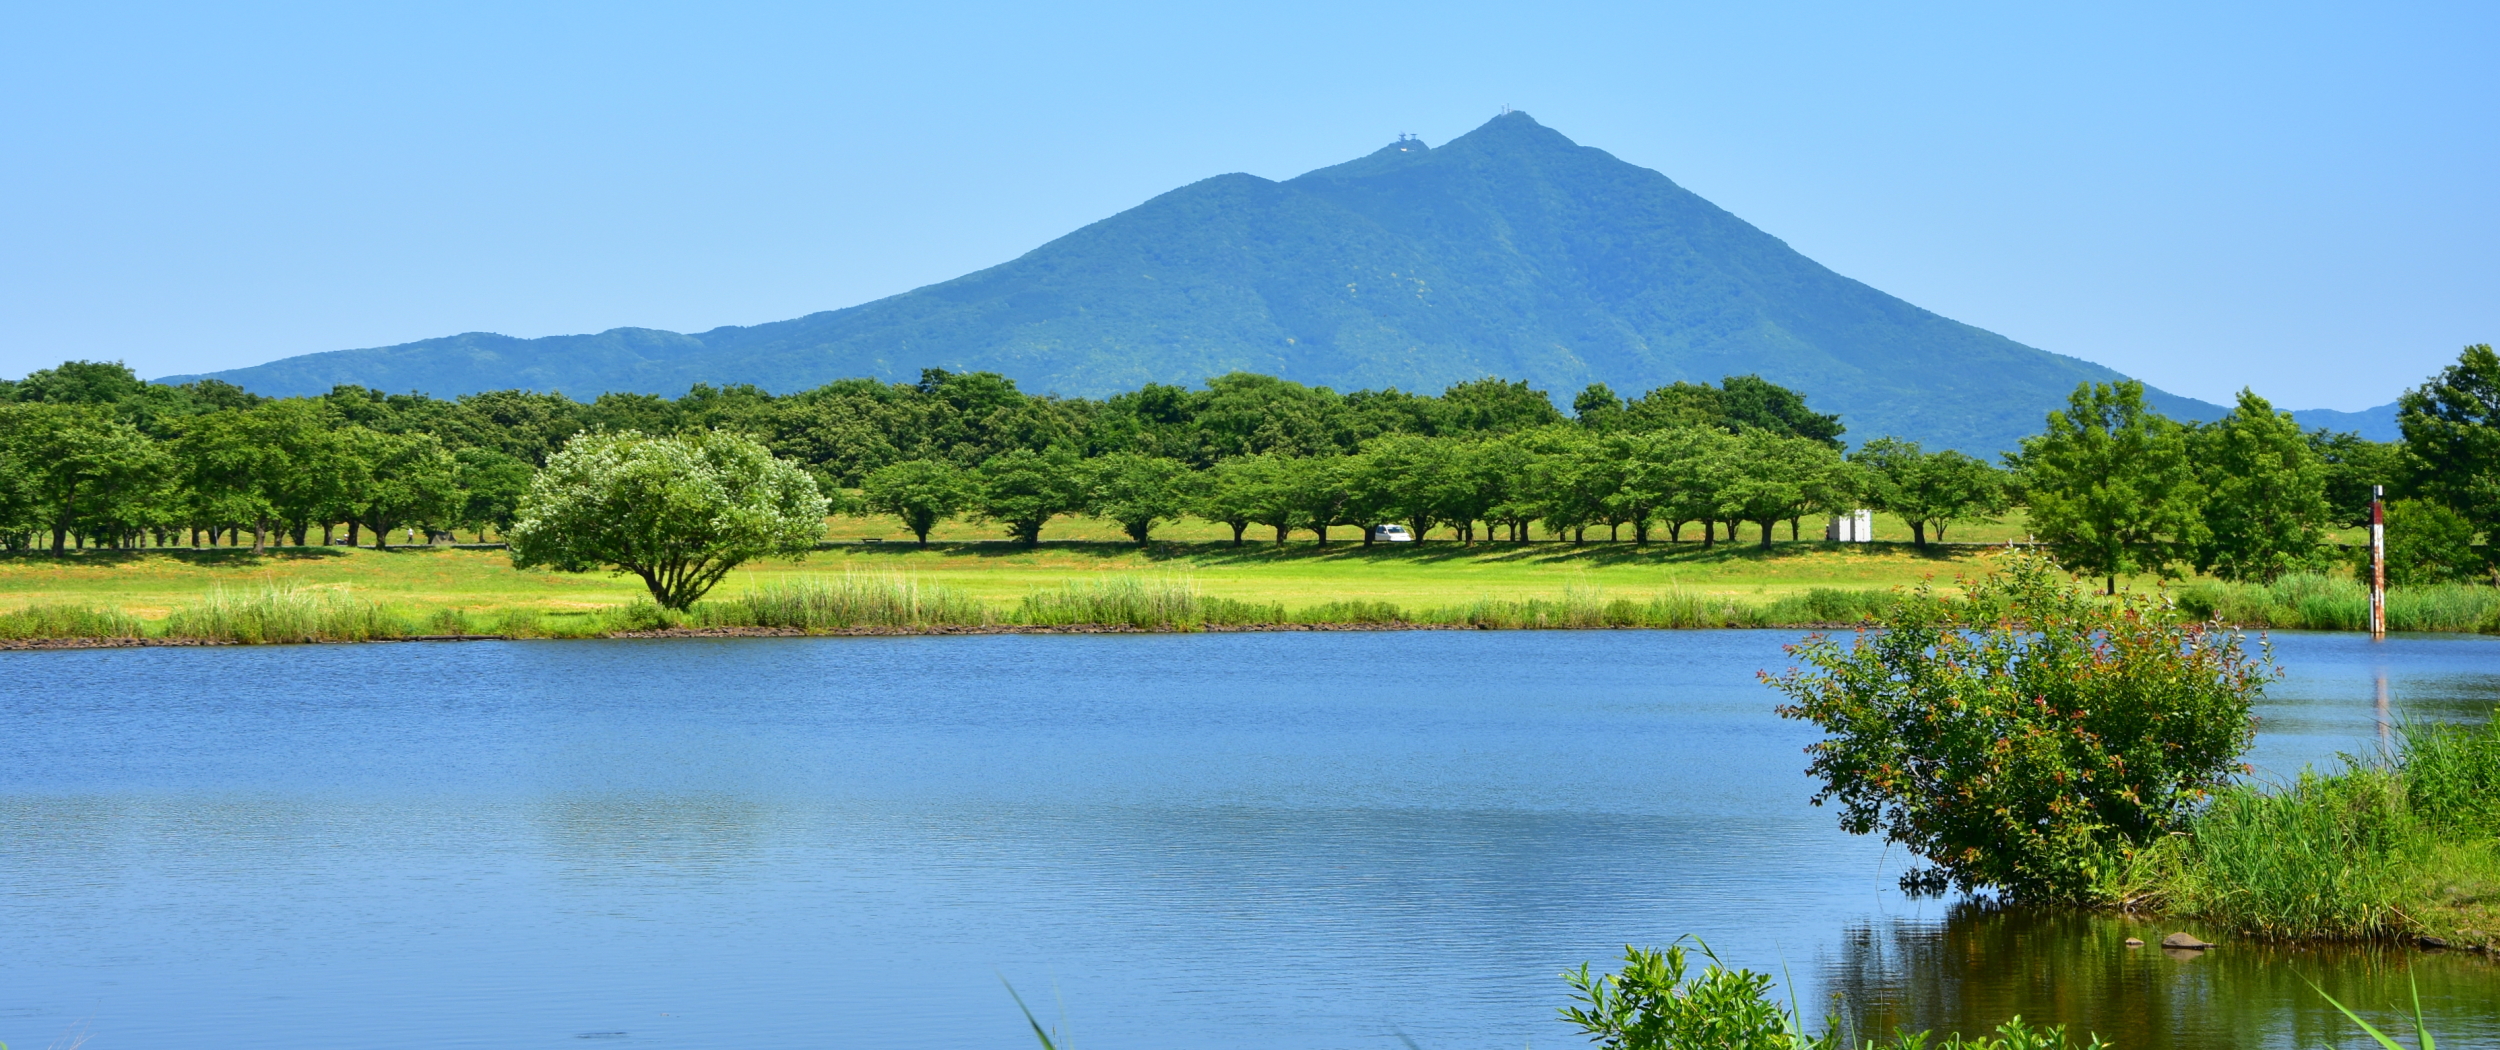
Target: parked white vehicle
(1392,534)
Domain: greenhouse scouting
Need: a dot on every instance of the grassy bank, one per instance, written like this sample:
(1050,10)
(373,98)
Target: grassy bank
(281,612)
(2341,603)
(448,591)
(2402,846)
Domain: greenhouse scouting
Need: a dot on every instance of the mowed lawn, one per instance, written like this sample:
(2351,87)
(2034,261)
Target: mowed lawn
(973,559)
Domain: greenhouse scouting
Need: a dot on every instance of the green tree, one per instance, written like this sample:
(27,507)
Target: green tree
(1776,477)
(2110,486)
(1597,408)
(1025,489)
(2354,466)
(1407,477)
(1929,489)
(491,485)
(2026,736)
(679,512)
(2265,493)
(1323,495)
(400,480)
(2452,426)
(83,466)
(1139,492)
(1234,492)
(2426,543)
(1493,406)
(922,492)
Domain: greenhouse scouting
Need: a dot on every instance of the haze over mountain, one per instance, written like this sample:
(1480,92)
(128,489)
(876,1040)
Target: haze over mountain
(1510,251)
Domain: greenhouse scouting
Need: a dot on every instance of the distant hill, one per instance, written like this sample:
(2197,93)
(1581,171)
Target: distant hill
(1510,251)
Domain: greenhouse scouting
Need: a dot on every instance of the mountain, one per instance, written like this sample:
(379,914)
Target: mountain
(1510,251)
(2376,424)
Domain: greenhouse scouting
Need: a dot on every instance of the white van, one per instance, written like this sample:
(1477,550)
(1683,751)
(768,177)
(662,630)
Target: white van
(1392,534)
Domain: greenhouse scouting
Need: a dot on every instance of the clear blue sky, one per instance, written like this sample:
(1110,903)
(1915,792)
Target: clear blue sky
(2300,198)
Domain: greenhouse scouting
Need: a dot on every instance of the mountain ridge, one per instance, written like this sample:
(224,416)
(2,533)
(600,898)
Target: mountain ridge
(1509,251)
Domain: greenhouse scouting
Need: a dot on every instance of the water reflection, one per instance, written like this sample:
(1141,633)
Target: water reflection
(1982,965)
(1212,841)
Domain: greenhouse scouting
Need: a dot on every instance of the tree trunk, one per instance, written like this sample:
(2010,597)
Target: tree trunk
(354,530)
(1239,527)
(1709,532)
(2113,587)
(1766,532)
(1280,535)
(1918,534)
(1640,531)
(260,534)
(1579,535)
(1323,534)
(1792,530)
(1368,529)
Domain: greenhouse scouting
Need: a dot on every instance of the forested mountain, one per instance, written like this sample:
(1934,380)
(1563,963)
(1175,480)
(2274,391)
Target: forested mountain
(1510,251)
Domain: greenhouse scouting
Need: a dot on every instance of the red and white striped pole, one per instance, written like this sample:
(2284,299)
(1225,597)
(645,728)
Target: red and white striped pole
(2378,564)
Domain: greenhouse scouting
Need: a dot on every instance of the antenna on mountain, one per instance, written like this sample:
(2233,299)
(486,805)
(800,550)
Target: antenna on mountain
(1505,109)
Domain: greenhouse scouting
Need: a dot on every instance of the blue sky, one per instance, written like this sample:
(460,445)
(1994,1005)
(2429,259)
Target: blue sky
(2295,197)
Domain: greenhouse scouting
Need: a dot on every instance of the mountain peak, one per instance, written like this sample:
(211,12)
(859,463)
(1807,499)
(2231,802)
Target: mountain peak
(1510,251)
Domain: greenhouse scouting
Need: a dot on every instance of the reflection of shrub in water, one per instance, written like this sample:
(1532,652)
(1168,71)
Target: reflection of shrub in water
(1986,962)
(1653,1005)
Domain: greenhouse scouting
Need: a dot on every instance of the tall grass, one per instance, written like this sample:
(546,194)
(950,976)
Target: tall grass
(845,601)
(2340,603)
(67,621)
(283,612)
(2386,847)
(1145,602)
(1586,609)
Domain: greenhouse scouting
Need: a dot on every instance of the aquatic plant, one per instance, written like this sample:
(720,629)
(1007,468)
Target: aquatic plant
(1148,602)
(67,621)
(848,600)
(1653,1004)
(2387,847)
(2312,601)
(283,612)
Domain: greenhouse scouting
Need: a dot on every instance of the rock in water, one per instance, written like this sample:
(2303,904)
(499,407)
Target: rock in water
(2185,940)
(2135,942)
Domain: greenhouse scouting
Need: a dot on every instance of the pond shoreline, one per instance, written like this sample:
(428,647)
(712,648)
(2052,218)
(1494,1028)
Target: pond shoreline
(46,644)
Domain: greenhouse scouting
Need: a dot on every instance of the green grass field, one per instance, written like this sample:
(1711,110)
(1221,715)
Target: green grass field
(974,561)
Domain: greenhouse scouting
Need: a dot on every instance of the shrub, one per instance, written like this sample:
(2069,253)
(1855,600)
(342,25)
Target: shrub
(2022,737)
(1653,1005)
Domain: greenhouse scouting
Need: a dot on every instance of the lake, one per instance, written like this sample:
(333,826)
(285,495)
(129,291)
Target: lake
(1230,840)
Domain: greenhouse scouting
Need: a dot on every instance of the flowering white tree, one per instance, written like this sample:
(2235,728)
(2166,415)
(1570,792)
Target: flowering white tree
(679,512)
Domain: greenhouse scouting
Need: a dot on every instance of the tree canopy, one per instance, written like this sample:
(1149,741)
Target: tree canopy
(679,512)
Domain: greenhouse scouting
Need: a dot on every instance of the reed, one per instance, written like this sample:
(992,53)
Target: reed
(283,612)
(2325,857)
(2317,602)
(845,601)
(1144,602)
(67,621)
(2390,847)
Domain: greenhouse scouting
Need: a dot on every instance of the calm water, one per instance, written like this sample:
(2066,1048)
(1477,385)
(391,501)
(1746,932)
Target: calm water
(1322,840)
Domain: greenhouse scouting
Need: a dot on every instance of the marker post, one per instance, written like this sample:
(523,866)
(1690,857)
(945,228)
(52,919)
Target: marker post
(2378,564)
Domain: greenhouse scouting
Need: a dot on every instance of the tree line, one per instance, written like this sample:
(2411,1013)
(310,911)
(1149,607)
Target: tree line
(92,456)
